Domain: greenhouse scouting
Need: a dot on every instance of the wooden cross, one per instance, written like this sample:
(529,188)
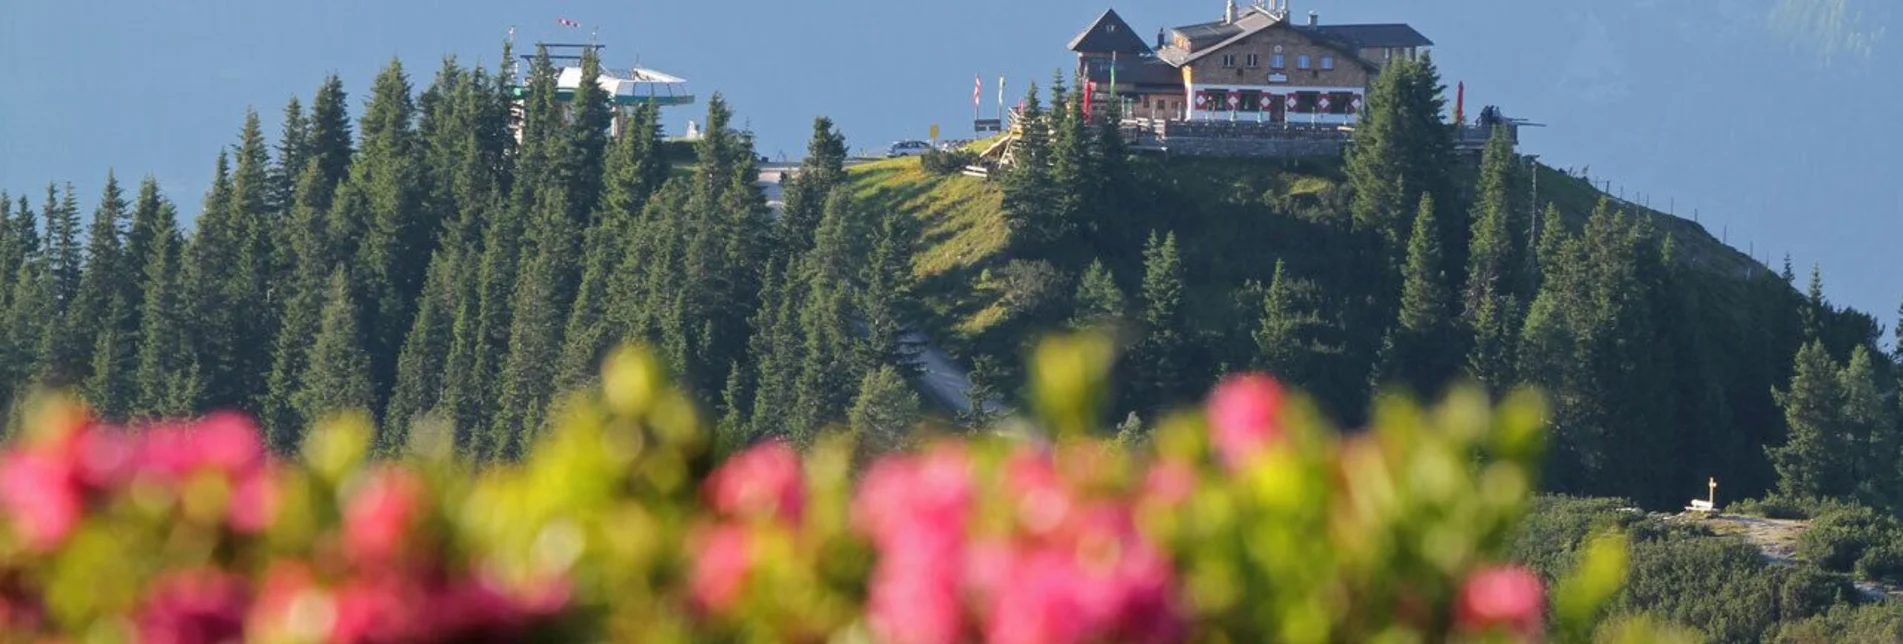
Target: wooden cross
(1712,495)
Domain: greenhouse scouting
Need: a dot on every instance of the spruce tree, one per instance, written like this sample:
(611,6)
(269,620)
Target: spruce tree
(166,381)
(1030,198)
(1422,349)
(152,215)
(592,327)
(805,192)
(1814,459)
(339,375)
(1292,336)
(827,369)
(329,140)
(884,411)
(527,375)
(1815,308)
(1869,431)
(1496,257)
(885,293)
(398,234)
(1098,302)
(309,251)
(63,356)
(29,313)
(419,375)
(1157,369)
(293,153)
(1400,150)
(102,310)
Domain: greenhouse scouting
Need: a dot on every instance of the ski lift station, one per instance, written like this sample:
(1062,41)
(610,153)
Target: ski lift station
(628,88)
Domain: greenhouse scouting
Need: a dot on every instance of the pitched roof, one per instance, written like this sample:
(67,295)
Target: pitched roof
(1146,71)
(1109,34)
(1210,36)
(1373,36)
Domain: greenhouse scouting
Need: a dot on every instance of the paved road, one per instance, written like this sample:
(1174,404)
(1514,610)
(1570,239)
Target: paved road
(941,377)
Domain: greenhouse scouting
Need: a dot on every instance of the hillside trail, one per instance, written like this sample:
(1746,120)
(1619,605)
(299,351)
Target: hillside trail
(1777,540)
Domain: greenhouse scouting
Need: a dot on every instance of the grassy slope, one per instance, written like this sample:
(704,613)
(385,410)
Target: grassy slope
(1235,218)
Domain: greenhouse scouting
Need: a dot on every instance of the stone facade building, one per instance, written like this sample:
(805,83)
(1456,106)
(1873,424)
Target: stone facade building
(1254,64)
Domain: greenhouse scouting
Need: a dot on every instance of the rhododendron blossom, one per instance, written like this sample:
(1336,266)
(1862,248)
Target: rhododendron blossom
(1503,597)
(380,515)
(1243,416)
(764,481)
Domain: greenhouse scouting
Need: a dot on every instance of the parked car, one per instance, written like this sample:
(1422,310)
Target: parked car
(907,149)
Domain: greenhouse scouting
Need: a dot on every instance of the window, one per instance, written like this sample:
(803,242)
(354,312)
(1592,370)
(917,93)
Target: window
(1278,61)
(1301,62)
(1110,28)
(1254,60)
(1328,62)
(1228,60)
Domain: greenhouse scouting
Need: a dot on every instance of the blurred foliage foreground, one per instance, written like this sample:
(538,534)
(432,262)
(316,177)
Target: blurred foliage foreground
(1249,520)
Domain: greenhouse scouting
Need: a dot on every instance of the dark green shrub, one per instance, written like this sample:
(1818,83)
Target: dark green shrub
(1882,562)
(953,162)
(1838,538)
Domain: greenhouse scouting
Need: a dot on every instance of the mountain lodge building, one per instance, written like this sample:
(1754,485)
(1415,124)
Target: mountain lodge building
(1254,64)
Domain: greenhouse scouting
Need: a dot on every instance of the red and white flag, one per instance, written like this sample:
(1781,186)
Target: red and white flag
(977,90)
(566,22)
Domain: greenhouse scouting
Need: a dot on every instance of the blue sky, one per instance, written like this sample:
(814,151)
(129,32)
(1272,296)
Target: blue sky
(1771,118)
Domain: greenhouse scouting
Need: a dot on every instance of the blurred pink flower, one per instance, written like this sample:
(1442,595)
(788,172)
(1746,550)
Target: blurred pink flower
(194,607)
(42,497)
(915,509)
(1169,482)
(764,481)
(1502,597)
(254,501)
(379,608)
(104,459)
(381,513)
(1243,414)
(1042,499)
(720,567)
(228,442)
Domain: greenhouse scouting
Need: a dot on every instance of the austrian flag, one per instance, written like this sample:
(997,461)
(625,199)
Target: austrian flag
(566,22)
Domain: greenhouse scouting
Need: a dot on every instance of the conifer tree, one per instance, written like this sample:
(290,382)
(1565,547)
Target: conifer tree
(526,379)
(329,139)
(63,245)
(592,329)
(102,309)
(1400,151)
(1496,258)
(397,241)
(1292,335)
(1815,308)
(884,411)
(827,368)
(166,381)
(885,293)
(805,192)
(730,433)
(1422,349)
(1029,191)
(419,376)
(152,215)
(311,255)
(1813,461)
(30,312)
(293,153)
(1157,372)
(1098,302)
(1870,431)
(339,375)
